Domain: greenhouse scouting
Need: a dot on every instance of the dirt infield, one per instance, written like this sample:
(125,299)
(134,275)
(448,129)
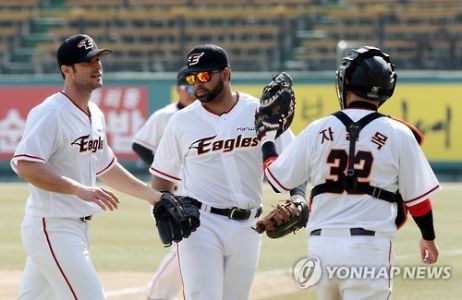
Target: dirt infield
(130,285)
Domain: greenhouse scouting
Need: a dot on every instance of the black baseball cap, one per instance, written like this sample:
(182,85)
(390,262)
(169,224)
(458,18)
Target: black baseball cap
(206,57)
(181,77)
(77,49)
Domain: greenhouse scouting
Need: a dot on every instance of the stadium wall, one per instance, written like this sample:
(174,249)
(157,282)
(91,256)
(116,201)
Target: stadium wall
(429,100)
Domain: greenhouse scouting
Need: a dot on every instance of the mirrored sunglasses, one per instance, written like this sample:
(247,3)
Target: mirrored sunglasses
(204,76)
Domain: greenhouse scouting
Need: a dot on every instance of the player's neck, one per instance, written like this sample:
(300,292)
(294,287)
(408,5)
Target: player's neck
(223,104)
(361,104)
(80,98)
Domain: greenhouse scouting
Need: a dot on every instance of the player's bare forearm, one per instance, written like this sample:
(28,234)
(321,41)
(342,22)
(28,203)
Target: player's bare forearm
(122,180)
(428,251)
(40,175)
(161,184)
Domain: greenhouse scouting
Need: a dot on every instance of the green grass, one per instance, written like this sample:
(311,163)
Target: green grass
(127,240)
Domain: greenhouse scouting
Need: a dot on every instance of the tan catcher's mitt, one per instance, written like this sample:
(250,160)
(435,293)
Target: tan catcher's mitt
(286,217)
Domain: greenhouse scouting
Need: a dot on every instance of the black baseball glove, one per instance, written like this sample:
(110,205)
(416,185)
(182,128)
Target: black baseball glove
(176,217)
(277,106)
(287,217)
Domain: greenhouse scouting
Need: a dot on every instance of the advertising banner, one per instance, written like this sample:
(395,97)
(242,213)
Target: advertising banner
(125,109)
(433,108)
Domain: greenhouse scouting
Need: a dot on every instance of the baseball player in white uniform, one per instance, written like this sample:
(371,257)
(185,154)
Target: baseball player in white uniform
(212,149)
(354,202)
(166,283)
(62,151)
(147,139)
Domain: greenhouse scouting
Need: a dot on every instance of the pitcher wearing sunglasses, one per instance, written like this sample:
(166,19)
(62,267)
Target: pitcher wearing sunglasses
(211,149)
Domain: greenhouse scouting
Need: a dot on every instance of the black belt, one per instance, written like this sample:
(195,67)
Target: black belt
(234,213)
(353,232)
(86,218)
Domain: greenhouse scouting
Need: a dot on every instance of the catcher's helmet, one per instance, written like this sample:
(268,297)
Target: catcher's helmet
(367,72)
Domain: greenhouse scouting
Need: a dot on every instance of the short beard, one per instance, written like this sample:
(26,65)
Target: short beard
(212,95)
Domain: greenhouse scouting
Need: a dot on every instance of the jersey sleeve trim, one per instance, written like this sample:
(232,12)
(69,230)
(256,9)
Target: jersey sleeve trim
(27,157)
(420,198)
(163,175)
(274,182)
(108,167)
(17,157)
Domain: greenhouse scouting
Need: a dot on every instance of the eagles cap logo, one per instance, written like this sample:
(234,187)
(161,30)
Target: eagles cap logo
(206,57)
(86,43)
(193,59)
(77,49)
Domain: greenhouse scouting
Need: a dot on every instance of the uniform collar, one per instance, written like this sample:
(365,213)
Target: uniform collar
(362,105)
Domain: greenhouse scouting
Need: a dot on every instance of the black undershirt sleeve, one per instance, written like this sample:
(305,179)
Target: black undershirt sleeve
(144,153)
(269,150)
(425,224)
(299,190)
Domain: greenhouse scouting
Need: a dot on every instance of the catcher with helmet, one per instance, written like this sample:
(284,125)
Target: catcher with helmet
(362,166)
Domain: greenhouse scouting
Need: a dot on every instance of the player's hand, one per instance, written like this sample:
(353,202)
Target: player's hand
(428,251)
(104,198)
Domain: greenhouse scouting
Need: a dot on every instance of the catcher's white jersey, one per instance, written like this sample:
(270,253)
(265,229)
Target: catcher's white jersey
(208,150)
(150,134)
(73,143)
(389,158)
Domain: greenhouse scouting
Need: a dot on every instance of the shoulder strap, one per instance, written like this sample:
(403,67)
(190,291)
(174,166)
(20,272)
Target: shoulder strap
(346,120)
(351,183)
(353,129)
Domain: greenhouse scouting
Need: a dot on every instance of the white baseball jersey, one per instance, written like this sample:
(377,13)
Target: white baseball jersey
(207,150)
(388,157)
(218,159)
(150,134)
(73,143)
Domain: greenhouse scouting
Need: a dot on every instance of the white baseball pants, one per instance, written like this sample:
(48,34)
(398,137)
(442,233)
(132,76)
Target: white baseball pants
(166,283)
(219,259)
(58,263)
(344,250)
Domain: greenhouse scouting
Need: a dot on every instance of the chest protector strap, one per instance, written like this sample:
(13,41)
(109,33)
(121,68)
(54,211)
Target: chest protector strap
(350,182)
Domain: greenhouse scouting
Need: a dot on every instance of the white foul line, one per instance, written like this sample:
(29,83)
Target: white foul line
(126,291)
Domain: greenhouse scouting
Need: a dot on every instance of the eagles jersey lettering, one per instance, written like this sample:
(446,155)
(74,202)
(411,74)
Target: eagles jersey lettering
(73,143)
